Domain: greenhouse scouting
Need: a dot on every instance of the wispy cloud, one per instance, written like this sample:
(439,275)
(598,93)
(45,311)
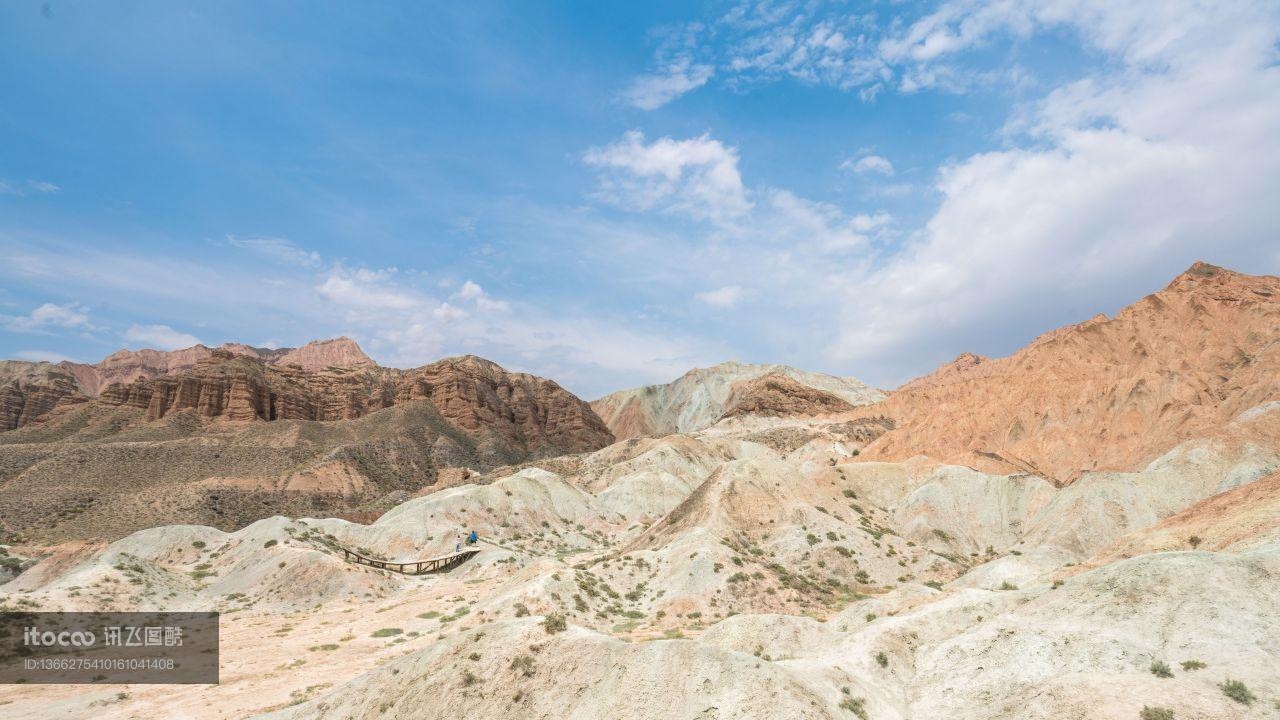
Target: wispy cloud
(652,91)
(280,249)
(161,337)
(725,297)
(47,317)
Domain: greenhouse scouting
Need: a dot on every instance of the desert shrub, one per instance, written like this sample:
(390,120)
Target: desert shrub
(524,665)
(197,544)
(1194,541)
(881,659)
(1155,713)
(1193,665)
(554,623)
(386,632)
(934,584)
(1057,584)
(270,543)
(811,539)
(1237,691)
(871,616)
(1006,585)
(521,609)
(851,494)
(855,706)
(1161,669)
(469,678)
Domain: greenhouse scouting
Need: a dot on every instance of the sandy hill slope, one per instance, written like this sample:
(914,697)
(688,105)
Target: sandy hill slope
(1106,394)
(734,572)
(235,438)
(703,396)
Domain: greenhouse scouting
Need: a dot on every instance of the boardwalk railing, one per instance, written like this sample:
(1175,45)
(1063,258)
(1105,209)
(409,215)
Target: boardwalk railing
(418,567)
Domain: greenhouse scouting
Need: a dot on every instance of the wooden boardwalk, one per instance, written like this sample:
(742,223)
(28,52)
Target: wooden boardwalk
(418,567)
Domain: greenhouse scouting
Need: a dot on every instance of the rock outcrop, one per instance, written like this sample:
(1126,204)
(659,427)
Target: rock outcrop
(28,390)
(702,396)
(777,395)
(125,366)
(1105,394)
(473,394)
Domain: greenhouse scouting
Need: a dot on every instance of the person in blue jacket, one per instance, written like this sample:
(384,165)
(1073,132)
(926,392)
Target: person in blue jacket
(472,539)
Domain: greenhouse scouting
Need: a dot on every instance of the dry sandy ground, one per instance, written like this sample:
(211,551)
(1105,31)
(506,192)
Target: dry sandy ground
(755,569)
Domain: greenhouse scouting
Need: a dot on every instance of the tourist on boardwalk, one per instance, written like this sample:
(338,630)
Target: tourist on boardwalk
(458,546)
(471,540)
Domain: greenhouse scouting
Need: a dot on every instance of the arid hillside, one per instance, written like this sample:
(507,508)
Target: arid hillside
(703,396)
(1106,394)
(233,438)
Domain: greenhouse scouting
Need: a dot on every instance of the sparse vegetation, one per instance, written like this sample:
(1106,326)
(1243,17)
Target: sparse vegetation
(386,632)
(1160,669)
(1193,665)
(554,623)
(855,706)
(1237,691)
(524,664)
(882,660)
(1155,713)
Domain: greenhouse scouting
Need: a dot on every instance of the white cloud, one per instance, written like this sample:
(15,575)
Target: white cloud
(161,337)
(47,316)
(472,292)
(697,177)
(281,249)
(41,356)
(1108,197)
(868,164)
(725,297)
(43,187)
(364,289)
(650,92)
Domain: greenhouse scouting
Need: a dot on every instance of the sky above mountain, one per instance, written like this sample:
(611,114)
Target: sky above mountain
(610,194)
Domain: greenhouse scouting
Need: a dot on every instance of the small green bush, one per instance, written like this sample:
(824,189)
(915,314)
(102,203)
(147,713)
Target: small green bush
(1237,691)
(522,610)
(270,543)
(881,659)
(524,665)
(1160,669)
(197,544)
(1006,585)
(386,632)
(554,623)
(1193,665)
(1155,713)
(855,706)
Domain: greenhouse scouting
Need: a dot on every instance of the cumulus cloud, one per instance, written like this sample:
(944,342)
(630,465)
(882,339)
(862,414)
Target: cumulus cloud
(697,177)
(48,316)
(1110,194)
(868,164)
(160,337)
(725,297)
(364,289)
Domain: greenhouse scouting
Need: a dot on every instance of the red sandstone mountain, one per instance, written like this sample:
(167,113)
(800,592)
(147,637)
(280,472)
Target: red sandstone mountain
(1105,394)
(124,366)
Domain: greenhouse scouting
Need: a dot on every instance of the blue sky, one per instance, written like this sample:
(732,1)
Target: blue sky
(610,194)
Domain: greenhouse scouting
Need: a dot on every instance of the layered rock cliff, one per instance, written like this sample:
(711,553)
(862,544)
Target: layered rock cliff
(532,415)
(29,390)
(125,366)
(1105,394)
